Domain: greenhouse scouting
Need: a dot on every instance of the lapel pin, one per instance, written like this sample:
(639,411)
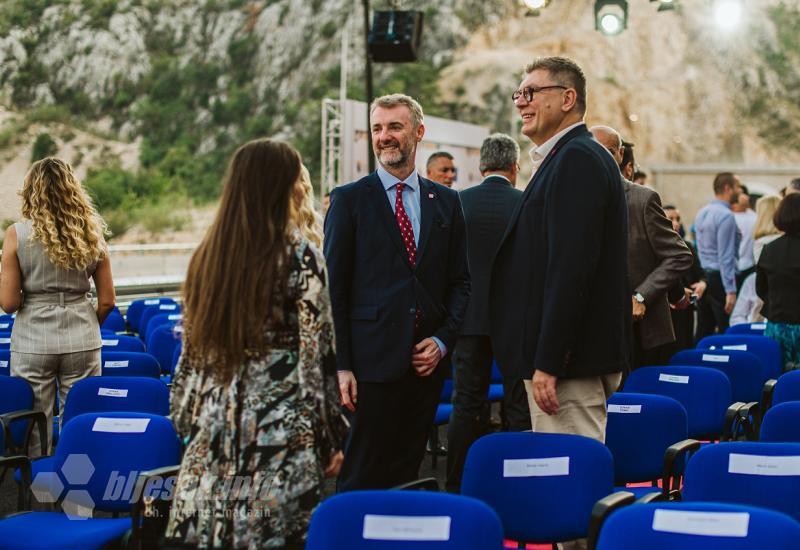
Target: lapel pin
(430,195)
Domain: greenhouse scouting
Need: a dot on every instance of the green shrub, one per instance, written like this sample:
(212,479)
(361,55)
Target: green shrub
(44,146)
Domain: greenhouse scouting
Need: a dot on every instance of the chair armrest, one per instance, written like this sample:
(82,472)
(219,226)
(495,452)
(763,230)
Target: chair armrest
(731,422)
(604,508)
(24,490)
(750,418)
(424,484)
(37,417)
(766,395)
(670,479)
(655,496)
(150,509)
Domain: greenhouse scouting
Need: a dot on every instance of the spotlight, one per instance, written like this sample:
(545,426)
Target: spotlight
(611,16)
(728,13)
(535,4)
(666,5)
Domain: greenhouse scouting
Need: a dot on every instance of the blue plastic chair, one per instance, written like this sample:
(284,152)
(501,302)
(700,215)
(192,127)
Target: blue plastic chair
(753,329)
(365,520)
(161,344)
(767,349)
(115,322)
(496,390)
(151,311)
(6,322)
(136,308)
(704,393)
(787,388)
(5,340)
(129,363)
(751,473)
(159,320)
(696,526)
(5,362)
(176,355)
(97,453)
(17,417)
(782,423)
(543,486)
(744,369)
(122,343)
(116,393)
(640,429)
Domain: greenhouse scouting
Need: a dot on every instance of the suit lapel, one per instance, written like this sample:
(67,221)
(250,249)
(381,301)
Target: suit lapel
(427,206)
(377,195)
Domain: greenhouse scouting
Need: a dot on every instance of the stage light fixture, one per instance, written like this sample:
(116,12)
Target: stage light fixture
(728,13)
(666,5)
(535,4)
(611,16)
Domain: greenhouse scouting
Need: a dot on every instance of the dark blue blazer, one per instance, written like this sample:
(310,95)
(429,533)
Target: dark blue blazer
(559,294)
(375,291)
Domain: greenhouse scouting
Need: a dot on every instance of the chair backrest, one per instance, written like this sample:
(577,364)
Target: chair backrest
(122,343)
(704,393)
(697,526)
(161,345)
(752,473)
(403,520)
(518,474)
(129,363)
(176,355)
(151,311)
(782,423)
(787,388)
(497,376)
(743,368)
(767,349)
(116,393)
(755,329)
(640,428)
(16,395)
(134,313)
(99,453)
(115,322)
(161,319)
(5,362)
(5,340)
(6,322)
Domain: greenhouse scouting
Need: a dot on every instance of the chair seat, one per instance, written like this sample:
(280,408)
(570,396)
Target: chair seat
(54,530)
(638,492)
(442,414)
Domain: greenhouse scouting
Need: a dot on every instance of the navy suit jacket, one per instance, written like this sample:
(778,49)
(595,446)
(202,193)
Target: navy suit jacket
(374,290)
(559,298)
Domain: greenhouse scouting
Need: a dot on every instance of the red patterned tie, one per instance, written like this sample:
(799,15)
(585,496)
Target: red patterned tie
(407,233)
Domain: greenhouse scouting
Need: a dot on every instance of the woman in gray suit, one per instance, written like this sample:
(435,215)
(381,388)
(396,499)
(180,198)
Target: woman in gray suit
(48,259)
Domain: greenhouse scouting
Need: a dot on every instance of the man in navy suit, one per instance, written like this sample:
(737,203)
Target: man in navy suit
(559,300)
(395,246)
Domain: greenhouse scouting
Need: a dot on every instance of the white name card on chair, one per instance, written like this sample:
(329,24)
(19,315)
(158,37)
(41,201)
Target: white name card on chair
(3,364)
(673,378)
(536,467)
(5,340)
(737,347)
(716,358)
(112,392)
(759,326)
(115,364)
(174,317)
(764,465)
(410,528)
(121,425)
(5,325)
(168,307)
(625,409)
(110,342)
(711,524)
(152,302)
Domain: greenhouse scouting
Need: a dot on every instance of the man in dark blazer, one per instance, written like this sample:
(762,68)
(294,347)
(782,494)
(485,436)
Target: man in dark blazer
(657,259)
(487,209)
(559,300)
(395,246)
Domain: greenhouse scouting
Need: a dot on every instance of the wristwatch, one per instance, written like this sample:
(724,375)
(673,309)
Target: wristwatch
(638,297)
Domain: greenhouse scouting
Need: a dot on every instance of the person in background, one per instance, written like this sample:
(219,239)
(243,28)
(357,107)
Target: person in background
(764,230)
(640,177)
(745,220)
(793,187)
(48,259)
(627,165)
(441,168)
(778,281)
(309,222)
(254,393)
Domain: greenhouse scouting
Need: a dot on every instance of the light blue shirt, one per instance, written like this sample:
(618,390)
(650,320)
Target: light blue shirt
(718,241)
(411,204)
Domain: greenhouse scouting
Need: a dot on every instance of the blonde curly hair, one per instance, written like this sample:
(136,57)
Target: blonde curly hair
(64,219)
(303,213)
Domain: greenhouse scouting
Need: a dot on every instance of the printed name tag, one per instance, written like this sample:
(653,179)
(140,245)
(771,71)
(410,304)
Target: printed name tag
(115,364)
(175,317)
(168,307)
(121,425)
(4,364)
(759,326)
(5,325)
(625,409)
(536,467)
(716,358)
(764,465)
(737,347)
(110,342)
(5,340)
(418,528)
(151,302)
(712,524)
(112,392)
(673,378)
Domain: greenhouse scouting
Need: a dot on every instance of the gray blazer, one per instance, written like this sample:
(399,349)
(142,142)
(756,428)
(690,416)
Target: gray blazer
(657,259)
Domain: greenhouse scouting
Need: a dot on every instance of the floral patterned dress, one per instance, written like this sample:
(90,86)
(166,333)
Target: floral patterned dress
(257,447)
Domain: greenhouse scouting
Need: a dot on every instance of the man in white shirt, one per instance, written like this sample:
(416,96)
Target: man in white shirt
(745,221)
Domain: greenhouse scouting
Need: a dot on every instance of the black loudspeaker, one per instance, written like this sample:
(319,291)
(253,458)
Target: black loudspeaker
(395,36)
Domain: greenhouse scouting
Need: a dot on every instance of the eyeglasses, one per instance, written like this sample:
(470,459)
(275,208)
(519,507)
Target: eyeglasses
(528,93)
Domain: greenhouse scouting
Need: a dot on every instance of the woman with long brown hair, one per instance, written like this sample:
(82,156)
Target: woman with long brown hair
(48,259)
(254,393)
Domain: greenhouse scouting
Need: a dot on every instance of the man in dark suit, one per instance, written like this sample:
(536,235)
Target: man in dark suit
(559,301)
(657,259)
(487,209)
(395,245)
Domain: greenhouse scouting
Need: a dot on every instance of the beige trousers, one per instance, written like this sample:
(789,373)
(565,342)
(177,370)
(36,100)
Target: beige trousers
(41,371)
(581,411)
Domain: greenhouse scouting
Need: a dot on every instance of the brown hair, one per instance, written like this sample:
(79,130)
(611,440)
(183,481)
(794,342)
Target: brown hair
(723,180)
(238,273)
(566,72)
(787,216)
